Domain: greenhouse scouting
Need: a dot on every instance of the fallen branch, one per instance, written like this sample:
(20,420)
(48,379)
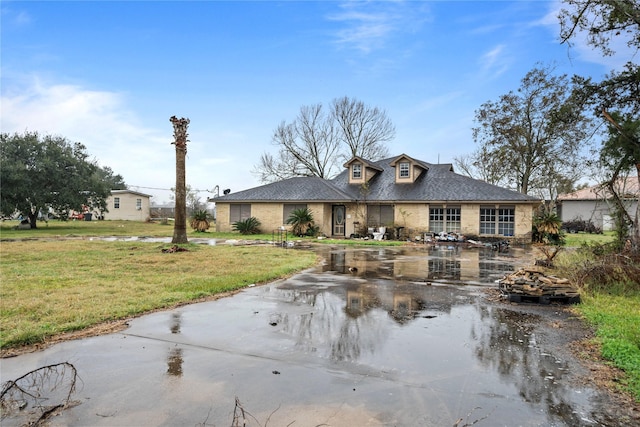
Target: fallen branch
(41,385)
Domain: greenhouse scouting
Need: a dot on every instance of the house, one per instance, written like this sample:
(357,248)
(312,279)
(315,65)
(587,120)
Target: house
(127,205)
(166,210)
(594,203)
(398,196)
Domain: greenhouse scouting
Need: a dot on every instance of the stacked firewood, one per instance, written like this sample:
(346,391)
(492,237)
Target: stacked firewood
(533,282)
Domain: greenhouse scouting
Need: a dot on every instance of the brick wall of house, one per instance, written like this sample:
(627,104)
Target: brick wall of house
(414,217)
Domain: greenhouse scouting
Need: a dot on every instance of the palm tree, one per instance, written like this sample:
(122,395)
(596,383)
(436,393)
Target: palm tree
(180,136)
(302,221)
(547,226)
(200,220)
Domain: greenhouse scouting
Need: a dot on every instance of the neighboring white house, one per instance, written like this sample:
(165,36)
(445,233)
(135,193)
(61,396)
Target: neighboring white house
(594,203)
(127,205)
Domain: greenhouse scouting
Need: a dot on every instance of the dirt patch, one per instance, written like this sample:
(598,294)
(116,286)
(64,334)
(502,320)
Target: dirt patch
(564,333)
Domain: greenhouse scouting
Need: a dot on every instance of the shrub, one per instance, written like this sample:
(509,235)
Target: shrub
(200,220)
(546,229)
(576,225)
(248,226)
(302,221)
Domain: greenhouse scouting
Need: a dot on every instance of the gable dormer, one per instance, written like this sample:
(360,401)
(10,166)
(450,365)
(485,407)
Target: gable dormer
(360,170)
(407,170)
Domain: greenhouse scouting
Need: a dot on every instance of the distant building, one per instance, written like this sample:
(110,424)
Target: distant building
(167,210)
(127,205)
(594,203)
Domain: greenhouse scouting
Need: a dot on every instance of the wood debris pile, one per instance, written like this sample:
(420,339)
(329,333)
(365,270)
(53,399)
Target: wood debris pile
(531,284)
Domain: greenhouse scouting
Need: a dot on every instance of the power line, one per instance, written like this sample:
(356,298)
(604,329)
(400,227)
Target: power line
(168,189)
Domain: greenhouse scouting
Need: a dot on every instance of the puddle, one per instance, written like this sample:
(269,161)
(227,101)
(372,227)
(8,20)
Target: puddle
(376,337)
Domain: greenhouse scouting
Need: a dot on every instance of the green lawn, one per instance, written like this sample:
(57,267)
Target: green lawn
(578,239)
(56,228)
(55,286)
(610,295)
(51,286)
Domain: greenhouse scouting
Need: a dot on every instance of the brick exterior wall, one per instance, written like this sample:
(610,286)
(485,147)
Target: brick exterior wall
(414,217)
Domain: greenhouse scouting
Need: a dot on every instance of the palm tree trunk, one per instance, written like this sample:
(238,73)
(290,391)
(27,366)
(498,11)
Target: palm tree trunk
(180,224)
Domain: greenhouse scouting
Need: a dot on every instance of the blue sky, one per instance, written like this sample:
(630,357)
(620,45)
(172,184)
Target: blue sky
(110,74)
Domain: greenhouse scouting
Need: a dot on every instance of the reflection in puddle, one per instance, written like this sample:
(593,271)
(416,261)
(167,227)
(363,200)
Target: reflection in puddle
(396,315)
(174,362)
(444,263)
(176,319)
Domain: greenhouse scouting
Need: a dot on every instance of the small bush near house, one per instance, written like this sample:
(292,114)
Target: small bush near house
(200,220)
(547,229)
(302,221)
(578,225)
(248,226)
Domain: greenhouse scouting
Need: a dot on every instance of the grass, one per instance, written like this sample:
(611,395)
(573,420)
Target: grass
(56,228)
(576,240)
(51,286)
(610,295)
(617,322)
(55,286)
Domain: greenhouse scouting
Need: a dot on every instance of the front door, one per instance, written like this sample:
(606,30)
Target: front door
(338,220)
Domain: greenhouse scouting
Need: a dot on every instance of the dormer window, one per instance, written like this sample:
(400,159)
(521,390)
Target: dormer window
(356,171)
(360,170)
(404,170)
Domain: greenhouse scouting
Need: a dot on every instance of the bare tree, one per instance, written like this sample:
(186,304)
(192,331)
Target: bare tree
(482,164)
(180,141)
(364,130)
(317,142)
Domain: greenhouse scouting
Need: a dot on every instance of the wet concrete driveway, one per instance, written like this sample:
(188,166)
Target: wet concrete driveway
(373,337)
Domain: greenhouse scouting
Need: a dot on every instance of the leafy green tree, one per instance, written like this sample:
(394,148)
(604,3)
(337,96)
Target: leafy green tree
(620,154)
(615,99)
(533,131)
(48,172)
(603,21)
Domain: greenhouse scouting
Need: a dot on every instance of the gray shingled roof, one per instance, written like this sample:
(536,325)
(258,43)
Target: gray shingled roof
(439,183)
(290,190)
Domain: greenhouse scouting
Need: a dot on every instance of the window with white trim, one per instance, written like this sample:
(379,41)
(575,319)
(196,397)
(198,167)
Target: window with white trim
(356,171)
(404,170)
(444,219)
(506,221)
(116,202)
(501,220)
(453,219)
(487,219)
(138,204)
(436,219)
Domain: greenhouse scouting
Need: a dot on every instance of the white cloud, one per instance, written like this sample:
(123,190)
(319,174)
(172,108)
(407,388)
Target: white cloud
(494,62)
(115,136)
(368,26)
(98,119)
